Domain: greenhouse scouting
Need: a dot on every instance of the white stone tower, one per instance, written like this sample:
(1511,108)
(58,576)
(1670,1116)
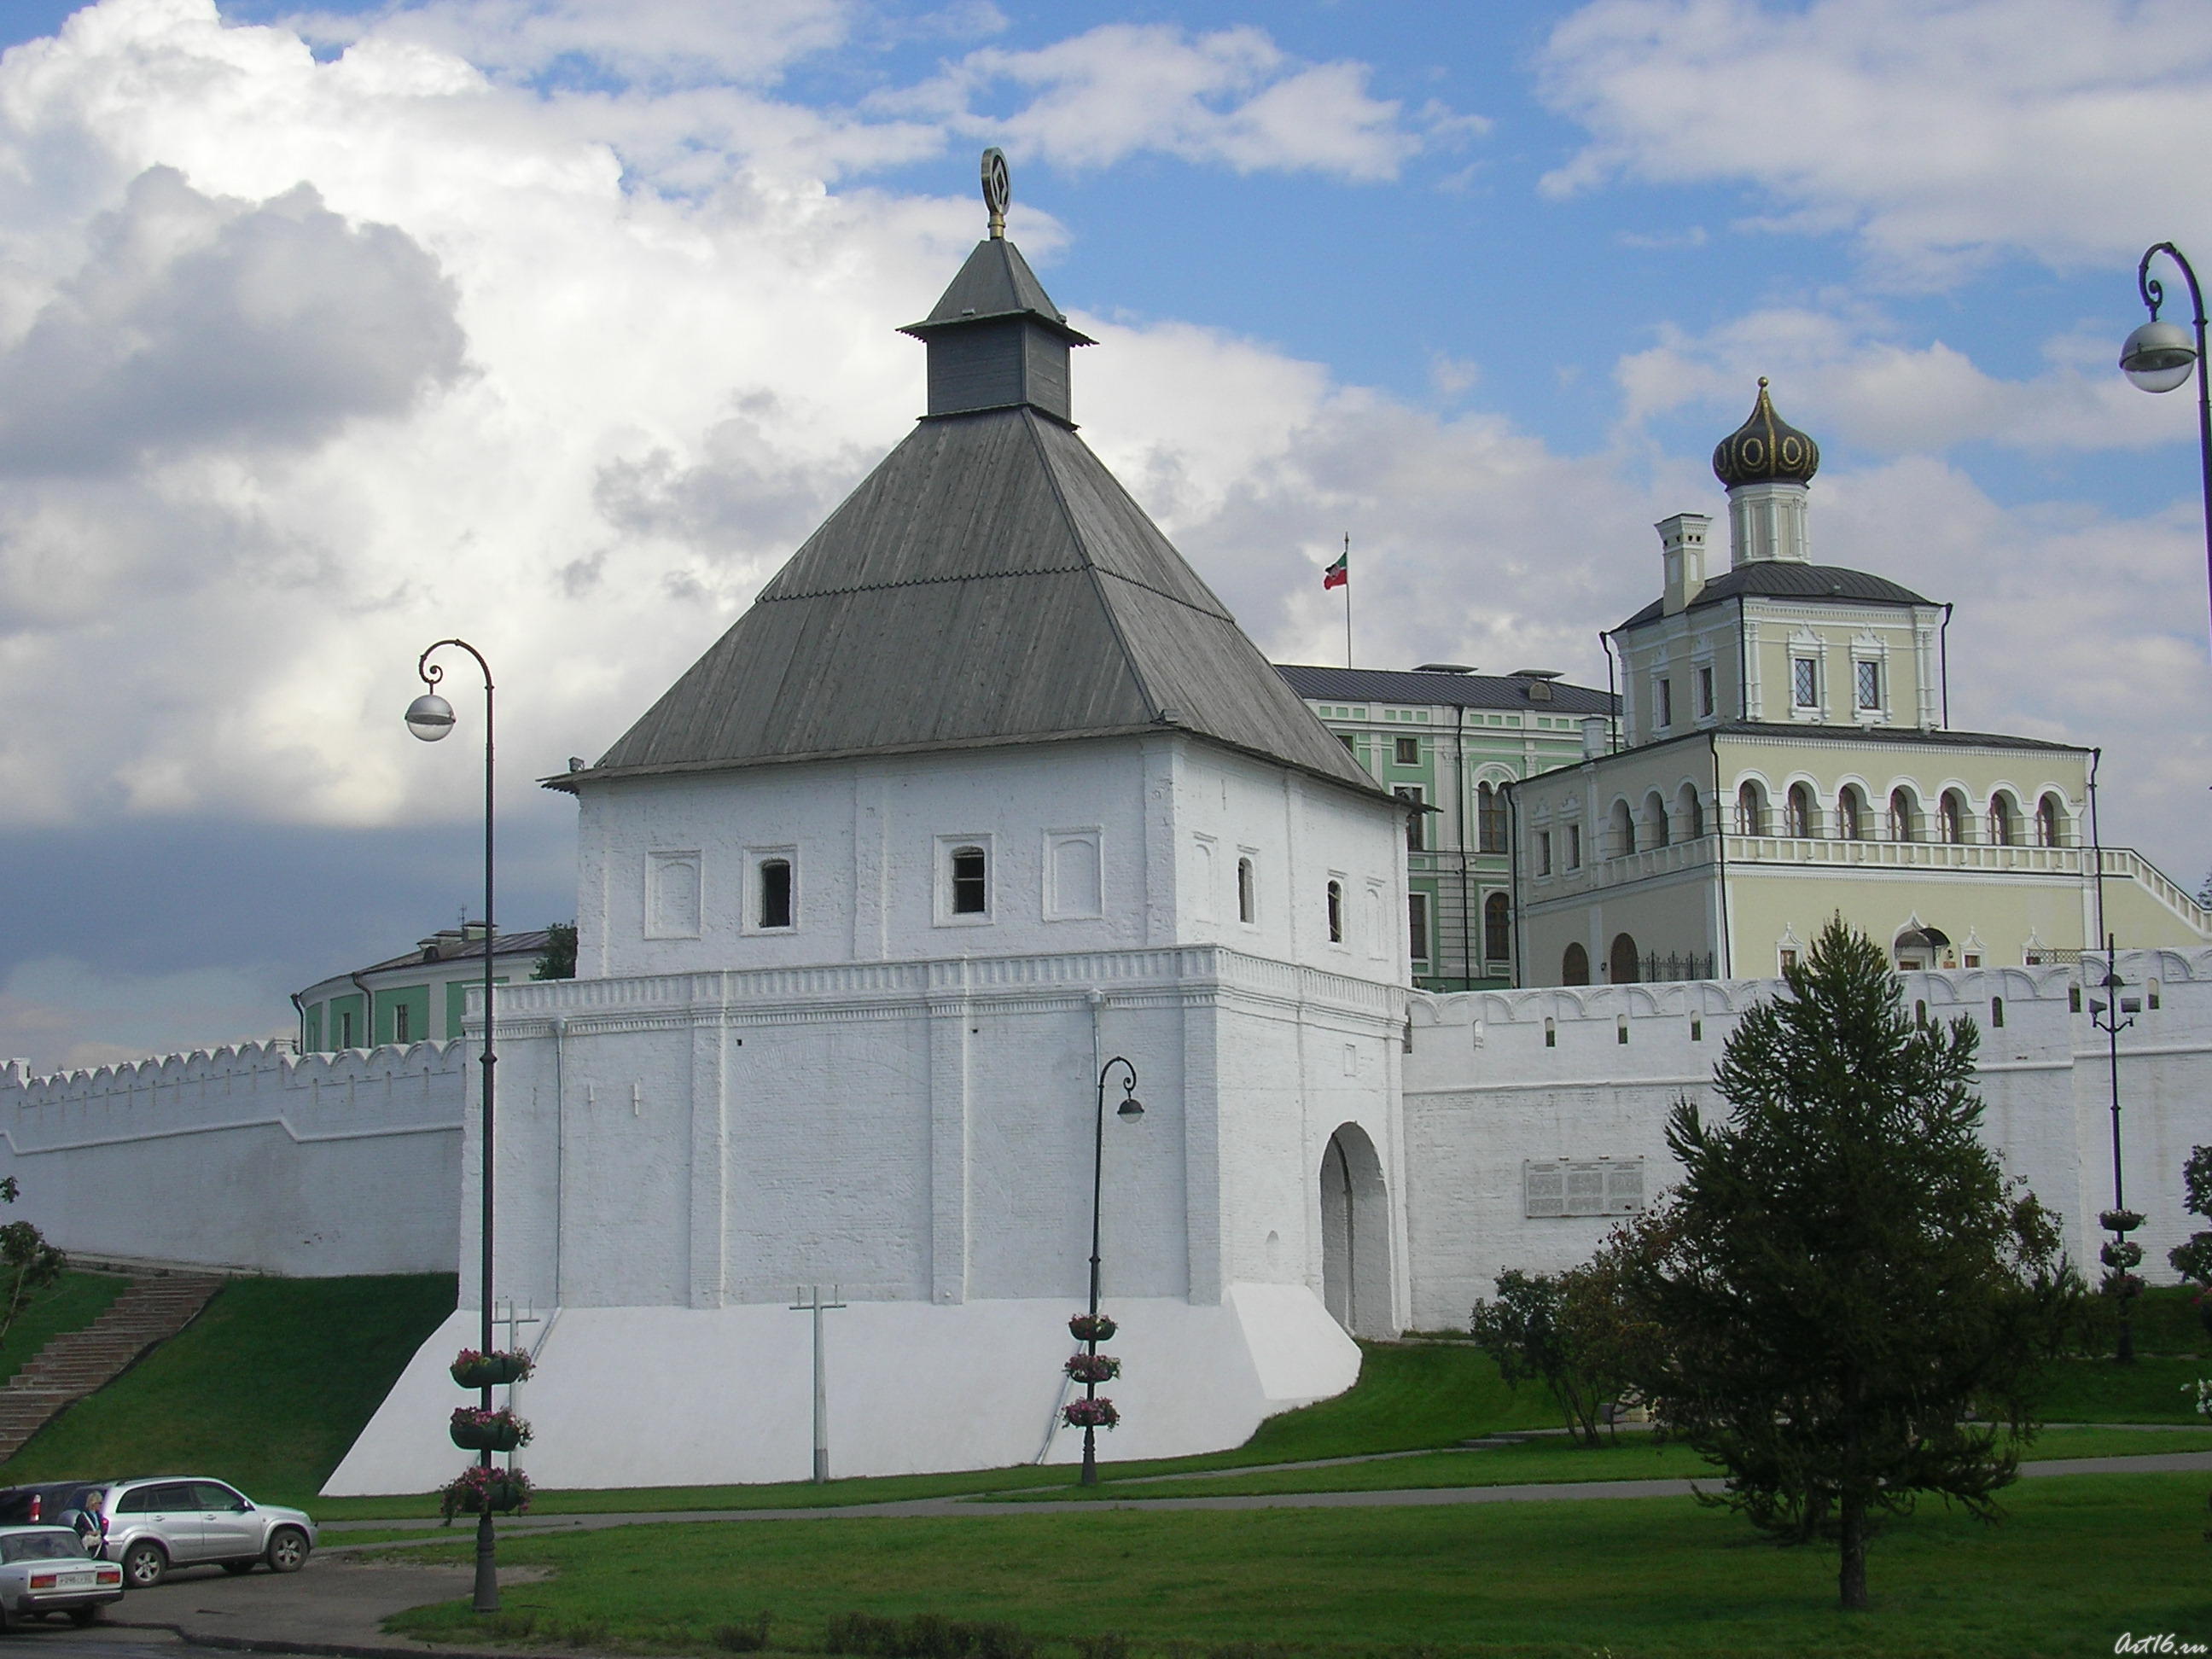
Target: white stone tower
(986,788)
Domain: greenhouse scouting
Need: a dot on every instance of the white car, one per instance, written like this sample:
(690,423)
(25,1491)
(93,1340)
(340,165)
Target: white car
(45,1571)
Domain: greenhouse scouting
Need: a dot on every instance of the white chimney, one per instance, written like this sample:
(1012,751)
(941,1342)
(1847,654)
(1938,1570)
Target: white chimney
(1682,549)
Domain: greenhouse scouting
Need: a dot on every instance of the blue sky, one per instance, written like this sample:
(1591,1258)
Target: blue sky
(558,324)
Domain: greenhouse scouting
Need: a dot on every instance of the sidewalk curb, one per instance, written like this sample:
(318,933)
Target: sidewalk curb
(327,1650)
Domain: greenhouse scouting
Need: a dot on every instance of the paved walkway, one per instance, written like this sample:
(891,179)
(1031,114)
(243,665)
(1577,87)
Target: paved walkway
(1533,1493)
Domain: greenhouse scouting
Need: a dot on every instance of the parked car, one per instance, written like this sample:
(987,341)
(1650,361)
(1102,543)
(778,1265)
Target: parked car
(45,1571)
(149,1526)
(49,1503)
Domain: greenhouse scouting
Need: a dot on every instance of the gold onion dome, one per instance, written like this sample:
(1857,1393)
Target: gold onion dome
(1766,449)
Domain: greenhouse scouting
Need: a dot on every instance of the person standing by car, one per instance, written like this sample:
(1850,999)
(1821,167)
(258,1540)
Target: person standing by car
(89,1519)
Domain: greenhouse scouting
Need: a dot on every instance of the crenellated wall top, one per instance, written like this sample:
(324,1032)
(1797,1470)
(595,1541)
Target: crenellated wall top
(222,1072)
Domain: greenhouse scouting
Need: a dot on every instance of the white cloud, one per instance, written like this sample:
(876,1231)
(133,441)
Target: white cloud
(1229,97)
(1842,375)
(2065,130)
(670,42)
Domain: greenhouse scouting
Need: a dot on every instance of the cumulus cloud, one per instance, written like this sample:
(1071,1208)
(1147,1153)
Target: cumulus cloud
(1872,390)
(1935,133)
(1228,97)
(670,42)
(197,323)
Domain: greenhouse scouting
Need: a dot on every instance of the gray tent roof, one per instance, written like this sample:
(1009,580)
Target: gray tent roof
(990,582)
(996,282)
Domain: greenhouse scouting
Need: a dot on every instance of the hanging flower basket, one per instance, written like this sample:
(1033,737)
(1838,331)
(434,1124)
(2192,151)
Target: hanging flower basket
(502,1492)
(2120,1221)
(1092,1327)
(477,1430)
(1094,1367)
(1099,1413)
(474,1369)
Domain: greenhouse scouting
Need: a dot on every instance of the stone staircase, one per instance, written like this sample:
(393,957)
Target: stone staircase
(76,1362)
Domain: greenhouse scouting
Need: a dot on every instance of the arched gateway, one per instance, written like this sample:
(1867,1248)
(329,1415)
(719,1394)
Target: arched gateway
(1355,1234)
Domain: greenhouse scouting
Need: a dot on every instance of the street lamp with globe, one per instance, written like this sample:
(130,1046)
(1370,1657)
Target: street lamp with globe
(431,718)
(2160,356)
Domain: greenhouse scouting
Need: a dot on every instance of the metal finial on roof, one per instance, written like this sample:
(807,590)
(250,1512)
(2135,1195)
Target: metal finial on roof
(998,191)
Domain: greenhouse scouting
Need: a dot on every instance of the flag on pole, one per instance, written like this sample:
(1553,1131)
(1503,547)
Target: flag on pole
(1338,575)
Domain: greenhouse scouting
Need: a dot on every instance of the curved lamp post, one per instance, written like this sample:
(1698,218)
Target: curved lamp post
(430,718)
(2160,356)
(1130,1108)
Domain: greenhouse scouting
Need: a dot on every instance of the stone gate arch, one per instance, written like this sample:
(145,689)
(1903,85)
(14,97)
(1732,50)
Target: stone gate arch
(1355,1232)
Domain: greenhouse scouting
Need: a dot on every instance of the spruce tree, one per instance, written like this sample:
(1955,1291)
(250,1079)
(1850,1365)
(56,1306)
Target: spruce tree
(1851,1304)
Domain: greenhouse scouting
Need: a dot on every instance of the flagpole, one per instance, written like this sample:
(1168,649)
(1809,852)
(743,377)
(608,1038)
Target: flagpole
(1347,598)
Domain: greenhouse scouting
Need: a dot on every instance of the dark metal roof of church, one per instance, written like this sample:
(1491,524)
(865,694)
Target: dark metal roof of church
(1786,578)
(989,583)
(1431,686)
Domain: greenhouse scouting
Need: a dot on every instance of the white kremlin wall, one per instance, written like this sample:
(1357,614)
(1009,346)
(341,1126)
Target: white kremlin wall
(1489,1104)
(250,1159)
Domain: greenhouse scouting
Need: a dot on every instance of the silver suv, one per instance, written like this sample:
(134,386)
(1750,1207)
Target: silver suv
(152,1525)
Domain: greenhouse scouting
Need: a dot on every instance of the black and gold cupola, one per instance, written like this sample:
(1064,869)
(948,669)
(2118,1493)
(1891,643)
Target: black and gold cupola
(995,340)
(1766,449)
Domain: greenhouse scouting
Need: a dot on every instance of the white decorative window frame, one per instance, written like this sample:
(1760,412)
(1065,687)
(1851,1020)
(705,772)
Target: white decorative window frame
(749,915)
(656,863)
(1054,903)
(941,865)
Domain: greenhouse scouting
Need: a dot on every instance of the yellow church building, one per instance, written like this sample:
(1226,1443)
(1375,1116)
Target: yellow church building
(1784,752)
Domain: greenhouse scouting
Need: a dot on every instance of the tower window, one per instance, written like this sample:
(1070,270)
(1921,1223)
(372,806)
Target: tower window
(1248,899)
(1543,852)
(1704,694)
(1662,702)
(1868,677)
(1336,912)
(971,893)
(1805,682)
(1574,846)
(775,891)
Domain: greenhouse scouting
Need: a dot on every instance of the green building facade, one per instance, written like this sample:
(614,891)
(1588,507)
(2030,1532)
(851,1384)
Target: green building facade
(1451,740)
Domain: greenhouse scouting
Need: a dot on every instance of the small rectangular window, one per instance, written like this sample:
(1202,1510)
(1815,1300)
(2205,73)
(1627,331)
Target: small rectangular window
(1336,912)
(1417,925)
(1350,748)
(1663,701)
(1996,1012)
(1868,675)
(1704,693)
(1788,960)
(1543,852)
(1574,846)
(776,893)
(1247,898)
(971,891)
(402,1020)
(1697,1031)
(1407,750)
(346,1029)
(1805,682)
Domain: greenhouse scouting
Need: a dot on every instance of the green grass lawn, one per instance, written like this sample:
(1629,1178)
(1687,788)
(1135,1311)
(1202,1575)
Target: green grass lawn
(268,1387)
(2078,1561)
(1407,1398)
(70,1303)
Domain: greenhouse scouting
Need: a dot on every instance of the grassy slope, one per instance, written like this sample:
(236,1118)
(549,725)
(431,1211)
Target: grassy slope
(70,1303)
(2077,1561)
(268,1387)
